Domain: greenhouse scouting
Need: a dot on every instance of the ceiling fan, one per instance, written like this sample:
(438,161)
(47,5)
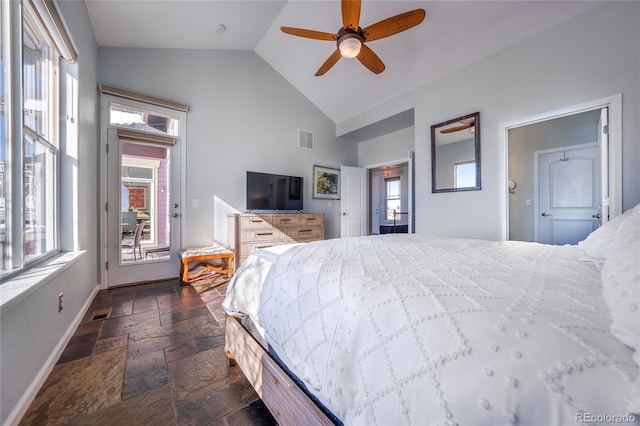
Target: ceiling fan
(351,37)
(464,124)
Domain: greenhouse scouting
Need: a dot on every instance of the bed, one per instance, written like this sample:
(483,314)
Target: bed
(415,329)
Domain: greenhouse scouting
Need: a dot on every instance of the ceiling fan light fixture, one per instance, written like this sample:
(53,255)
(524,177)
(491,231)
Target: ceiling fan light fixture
(350,47)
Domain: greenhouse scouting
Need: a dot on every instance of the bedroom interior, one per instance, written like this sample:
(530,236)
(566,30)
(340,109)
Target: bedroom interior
(242,100)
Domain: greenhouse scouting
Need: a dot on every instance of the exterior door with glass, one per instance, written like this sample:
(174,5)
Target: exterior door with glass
(143,198)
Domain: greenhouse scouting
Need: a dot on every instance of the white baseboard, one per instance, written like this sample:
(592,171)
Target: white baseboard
(30,394)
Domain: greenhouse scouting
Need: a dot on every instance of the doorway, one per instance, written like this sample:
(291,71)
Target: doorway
(596,122)
(389,195)
(142,185)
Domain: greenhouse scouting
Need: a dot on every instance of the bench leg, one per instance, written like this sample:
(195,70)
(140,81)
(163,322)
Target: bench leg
(184,271)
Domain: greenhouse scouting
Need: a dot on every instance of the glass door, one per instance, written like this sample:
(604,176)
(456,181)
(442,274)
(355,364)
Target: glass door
(143,210)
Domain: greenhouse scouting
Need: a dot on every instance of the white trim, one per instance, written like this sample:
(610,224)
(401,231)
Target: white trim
(614,103)
(127,160)
(32,391)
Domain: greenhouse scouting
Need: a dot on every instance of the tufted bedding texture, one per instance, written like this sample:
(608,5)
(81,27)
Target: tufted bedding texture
(411,329)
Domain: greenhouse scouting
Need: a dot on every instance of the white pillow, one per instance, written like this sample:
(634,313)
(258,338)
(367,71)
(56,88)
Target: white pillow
(621,280)
(598,242)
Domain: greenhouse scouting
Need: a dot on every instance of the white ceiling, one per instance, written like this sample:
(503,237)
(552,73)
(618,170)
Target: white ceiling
(453,35)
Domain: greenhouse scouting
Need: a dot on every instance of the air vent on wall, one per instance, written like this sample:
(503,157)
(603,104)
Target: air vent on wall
(305,139)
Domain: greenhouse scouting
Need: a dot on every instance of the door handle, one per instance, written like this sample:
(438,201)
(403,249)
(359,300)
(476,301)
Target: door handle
(344,213)
(596,216)
(175,215)
(545,214)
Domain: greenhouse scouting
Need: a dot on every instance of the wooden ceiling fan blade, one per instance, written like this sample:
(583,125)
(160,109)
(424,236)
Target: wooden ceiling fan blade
(330,62)
(316,35)
(351,14)
(457,128)
(369,59)
(394,25)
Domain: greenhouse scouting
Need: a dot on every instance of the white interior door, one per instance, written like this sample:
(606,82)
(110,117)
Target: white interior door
(353,197)
(375,205)
(568,188)
(143,193)
(603,143)
(411,187)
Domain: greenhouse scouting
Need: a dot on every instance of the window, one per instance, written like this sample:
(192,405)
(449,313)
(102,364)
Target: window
(29,153)
(464,174)
(137,119)
(393,198)
(3,139)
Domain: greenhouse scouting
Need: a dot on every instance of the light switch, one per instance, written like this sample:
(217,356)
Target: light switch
(527,201)
(195,202)
(329,203)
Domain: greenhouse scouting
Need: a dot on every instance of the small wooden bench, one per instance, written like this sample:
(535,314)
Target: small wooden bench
(203,256)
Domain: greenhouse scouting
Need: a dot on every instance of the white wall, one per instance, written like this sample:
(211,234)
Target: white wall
(243,116)
(580,60)
(32,329)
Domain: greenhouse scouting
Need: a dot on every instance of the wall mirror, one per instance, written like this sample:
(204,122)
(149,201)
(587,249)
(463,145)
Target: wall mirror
(455,154)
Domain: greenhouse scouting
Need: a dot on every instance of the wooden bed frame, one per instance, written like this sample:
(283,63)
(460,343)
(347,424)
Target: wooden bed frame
(286,401)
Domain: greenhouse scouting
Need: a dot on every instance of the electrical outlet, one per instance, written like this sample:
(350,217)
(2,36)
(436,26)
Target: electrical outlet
(60,301)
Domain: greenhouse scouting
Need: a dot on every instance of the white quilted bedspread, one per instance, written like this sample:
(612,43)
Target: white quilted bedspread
(409,329)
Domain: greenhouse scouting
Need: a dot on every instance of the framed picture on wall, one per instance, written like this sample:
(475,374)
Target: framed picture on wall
(138,196)
(326,183)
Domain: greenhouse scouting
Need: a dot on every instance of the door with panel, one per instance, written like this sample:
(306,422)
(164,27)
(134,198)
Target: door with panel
(568,187)
(353,206)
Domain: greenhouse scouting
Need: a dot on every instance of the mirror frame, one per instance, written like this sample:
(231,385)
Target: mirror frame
(434,129)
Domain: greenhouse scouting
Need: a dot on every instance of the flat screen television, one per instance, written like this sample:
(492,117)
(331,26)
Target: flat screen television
(267,191)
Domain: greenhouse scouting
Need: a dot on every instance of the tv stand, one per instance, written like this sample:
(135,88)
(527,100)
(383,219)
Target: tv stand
(248,232)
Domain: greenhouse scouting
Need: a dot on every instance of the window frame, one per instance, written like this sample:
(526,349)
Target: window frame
(387,199)
(16,17)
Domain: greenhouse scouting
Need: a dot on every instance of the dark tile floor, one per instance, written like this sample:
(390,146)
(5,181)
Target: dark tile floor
(157,358)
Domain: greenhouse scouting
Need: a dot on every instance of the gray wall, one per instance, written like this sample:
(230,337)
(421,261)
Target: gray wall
(32,329)
(523,142)
(243,116)
(389,147)
(569,64)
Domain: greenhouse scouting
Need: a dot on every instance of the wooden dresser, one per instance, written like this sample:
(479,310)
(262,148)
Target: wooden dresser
(249,232)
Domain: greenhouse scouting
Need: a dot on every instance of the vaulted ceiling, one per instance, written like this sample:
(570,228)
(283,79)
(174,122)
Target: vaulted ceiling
(453,35)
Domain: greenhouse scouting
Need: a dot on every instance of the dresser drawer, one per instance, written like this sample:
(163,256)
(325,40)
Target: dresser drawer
(262,235)
(254,222)
(285,220)
(247,249)
(306,233)
(312,219)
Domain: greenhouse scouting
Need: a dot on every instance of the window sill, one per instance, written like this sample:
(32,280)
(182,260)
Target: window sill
(19,287)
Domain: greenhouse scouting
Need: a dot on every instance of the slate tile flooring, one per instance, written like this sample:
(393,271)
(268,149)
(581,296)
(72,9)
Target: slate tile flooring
(156,359)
